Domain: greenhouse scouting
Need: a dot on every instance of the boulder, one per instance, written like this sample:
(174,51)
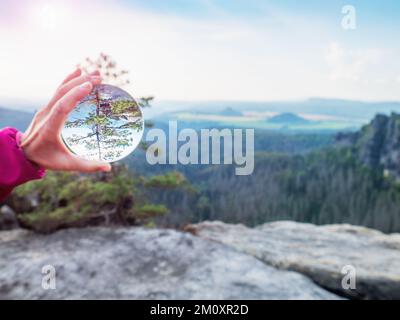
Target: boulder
(323,253)
(8,219)
(139,263)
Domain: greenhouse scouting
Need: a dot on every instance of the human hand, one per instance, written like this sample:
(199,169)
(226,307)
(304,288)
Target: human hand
(42,141)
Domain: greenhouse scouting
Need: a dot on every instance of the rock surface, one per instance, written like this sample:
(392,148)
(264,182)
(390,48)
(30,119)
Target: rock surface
(138,263)
(8,219)
(320,252)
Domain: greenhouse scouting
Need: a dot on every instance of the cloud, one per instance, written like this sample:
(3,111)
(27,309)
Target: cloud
(351,64)
(171,57)
(181,57)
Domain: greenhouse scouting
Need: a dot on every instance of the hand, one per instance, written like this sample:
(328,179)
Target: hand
(42,141)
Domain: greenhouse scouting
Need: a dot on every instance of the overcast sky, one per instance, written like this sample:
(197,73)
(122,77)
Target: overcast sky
(205,49)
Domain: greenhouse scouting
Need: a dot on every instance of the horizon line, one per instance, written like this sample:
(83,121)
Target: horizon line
(20,105)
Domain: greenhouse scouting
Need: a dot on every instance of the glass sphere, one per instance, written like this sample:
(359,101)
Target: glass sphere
(106,125)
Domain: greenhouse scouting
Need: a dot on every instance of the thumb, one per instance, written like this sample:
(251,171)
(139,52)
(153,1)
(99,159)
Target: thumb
(83,165)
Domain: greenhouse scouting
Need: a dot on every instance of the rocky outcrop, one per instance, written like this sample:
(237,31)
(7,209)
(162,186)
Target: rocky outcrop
(320,252)
(377,144)
(8,218)
(139,263)
(280,260)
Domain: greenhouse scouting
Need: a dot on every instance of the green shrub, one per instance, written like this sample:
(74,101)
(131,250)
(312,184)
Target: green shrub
(77,200)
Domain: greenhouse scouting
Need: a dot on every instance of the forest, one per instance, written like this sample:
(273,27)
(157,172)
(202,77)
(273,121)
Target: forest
(320,179)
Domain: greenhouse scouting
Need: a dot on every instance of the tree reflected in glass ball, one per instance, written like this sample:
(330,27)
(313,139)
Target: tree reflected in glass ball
(107,125)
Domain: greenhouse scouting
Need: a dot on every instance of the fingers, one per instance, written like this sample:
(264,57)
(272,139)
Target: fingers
(33,123)
(95,73)
(65,88)
(71,81)
(60,112)
(77,73)
(74,79)
(82,165)
(94,79)
(66,104)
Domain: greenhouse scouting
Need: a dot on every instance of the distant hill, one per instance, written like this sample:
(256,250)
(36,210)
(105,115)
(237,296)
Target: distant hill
(230,112)
(353,110)
(288,118)
(14,118)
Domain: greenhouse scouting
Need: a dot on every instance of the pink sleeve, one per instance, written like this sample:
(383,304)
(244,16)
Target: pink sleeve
(15,168)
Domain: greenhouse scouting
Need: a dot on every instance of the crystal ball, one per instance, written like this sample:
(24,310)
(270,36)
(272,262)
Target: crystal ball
(106,125)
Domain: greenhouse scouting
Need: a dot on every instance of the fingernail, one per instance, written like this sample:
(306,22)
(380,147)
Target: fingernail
(96,72)
(106,168)
(96,78)
(85,86)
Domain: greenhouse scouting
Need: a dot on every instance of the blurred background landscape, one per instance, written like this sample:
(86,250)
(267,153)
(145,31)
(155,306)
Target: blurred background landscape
(316,161)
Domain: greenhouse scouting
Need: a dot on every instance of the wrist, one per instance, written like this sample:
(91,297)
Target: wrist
(19,139)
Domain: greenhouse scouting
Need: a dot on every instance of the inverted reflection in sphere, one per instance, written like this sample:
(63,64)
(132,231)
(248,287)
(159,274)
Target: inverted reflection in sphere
(107,125)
